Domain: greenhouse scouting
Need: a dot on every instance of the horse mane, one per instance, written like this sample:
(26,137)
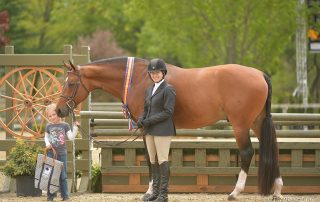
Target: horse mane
(115,59)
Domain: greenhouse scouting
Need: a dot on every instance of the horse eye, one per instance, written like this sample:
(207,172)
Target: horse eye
(71,84)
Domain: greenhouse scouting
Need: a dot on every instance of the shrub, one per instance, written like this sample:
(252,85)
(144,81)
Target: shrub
(22,159)
(96,182)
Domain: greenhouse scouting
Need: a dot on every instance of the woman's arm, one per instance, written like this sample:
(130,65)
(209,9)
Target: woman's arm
(145,106)
(168,108)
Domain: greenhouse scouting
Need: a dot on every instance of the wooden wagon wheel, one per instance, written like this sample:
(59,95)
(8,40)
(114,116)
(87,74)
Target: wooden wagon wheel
(33,88)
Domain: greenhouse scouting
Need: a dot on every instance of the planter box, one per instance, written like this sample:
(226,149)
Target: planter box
(25,186)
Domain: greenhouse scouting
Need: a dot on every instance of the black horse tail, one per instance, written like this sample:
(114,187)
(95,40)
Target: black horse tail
(269,154)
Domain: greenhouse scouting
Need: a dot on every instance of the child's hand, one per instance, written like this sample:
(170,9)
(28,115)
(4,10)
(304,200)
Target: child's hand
(76,123)
(49,146)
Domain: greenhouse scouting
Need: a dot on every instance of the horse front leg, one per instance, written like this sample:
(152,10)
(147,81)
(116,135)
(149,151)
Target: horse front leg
(149,191)
(246,154)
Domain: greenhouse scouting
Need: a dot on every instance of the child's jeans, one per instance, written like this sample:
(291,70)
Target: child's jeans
(63,177)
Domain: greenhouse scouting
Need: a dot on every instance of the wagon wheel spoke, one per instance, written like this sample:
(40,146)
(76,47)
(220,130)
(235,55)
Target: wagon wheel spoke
(46,93)
(11,108)
(44,118)
(15,116)
(33,88)
(43,121)
(11,98)
(22,113)
(42,87)
(33,82)
(24,120)
(44,83)
(34,120)
(48,96)
(33,117)
(23,85)
(14,89)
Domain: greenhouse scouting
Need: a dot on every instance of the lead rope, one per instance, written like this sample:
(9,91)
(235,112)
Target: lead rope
(93,140)
(74,156)
(132,134)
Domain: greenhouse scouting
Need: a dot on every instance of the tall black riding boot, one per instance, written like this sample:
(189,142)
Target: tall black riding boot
(155,183)
(164,181)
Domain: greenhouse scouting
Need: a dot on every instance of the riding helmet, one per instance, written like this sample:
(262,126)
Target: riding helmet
(157,64)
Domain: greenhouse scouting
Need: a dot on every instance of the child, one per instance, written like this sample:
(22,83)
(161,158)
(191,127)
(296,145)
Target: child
(55,137)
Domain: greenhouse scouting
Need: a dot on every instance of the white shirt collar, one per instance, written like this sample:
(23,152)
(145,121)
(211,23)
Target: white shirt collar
(156,86)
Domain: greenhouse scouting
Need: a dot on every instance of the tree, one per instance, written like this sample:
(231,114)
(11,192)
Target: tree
(206,33)
(185,33)
(4,27)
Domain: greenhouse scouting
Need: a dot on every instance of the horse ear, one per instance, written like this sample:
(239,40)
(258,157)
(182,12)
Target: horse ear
(66,65)
(72,65)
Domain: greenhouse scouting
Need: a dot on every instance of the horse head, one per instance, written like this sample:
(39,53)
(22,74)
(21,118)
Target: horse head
(74,91)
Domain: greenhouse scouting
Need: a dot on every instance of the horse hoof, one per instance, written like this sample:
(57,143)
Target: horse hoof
(231,198)
(278,197)
(145,197)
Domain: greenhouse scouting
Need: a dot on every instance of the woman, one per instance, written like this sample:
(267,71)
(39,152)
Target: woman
(158,125)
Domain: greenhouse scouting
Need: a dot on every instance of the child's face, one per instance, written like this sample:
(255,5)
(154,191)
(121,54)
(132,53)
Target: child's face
(53,117)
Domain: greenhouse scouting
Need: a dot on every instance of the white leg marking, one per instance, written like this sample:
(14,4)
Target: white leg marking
(149,191)
(239,186)
(278,184)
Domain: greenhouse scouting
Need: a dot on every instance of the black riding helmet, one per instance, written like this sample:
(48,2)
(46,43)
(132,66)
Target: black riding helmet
(157,64)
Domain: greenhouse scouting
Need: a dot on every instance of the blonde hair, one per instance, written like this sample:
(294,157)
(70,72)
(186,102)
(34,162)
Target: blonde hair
(51,106)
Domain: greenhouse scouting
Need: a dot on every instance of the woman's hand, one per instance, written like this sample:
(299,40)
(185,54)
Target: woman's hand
(139,123)
(76,123)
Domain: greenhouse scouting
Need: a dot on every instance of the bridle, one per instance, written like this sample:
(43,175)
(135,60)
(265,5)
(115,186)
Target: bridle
(70,99)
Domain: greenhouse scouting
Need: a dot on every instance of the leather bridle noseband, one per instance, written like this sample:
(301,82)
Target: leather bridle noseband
(70,99)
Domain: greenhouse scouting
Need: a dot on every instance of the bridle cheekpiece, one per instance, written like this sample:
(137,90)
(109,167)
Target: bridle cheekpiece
(70,99)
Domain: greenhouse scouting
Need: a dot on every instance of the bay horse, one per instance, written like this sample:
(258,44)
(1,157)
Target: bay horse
(205,95)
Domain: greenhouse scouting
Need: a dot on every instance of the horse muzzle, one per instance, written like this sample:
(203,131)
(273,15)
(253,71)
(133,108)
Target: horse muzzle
(62,112)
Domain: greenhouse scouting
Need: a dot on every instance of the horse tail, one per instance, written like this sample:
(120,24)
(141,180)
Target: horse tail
(268,146)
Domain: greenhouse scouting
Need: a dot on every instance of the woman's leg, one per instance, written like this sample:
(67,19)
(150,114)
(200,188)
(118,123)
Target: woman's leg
(163,146)
(151,148)
(155,173)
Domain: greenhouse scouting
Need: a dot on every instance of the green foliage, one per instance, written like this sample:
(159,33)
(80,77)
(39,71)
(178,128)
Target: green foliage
(313,10)
(207,33)
(197,33)
(96,182)
(22,159)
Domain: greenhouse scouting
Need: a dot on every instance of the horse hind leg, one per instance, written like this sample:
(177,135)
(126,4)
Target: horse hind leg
(278,184)
(246,154)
